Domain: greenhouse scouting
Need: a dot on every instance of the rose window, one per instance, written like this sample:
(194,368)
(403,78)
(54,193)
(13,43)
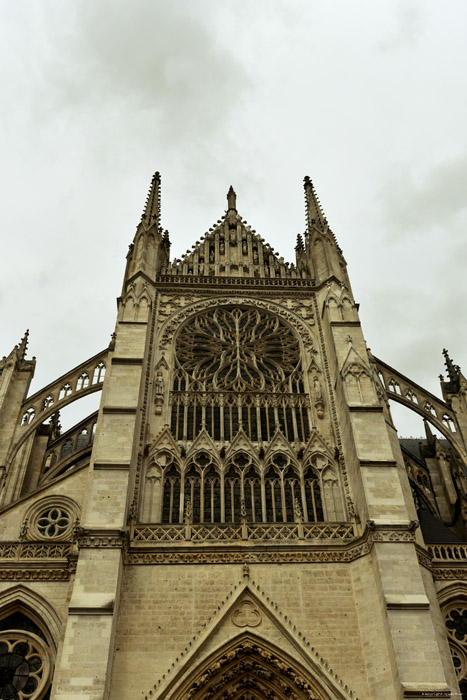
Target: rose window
(238,368)
(235,349)
(24,666)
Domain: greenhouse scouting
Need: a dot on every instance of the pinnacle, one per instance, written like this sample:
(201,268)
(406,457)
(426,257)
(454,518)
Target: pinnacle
(23,346)
(453,370)
(152,206)
(315,214)
(232,199)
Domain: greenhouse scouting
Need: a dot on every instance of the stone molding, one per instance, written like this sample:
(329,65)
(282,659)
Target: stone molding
(170,281)
(326,551)
(100,539)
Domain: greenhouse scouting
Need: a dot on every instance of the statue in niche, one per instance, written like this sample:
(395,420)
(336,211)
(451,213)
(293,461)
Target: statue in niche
(317,388)
(159,392)
(318,396)
(221,246)
(211,255)
(255,255)
(244,246)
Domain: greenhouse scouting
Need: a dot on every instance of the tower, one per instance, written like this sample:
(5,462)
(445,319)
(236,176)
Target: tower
(239,519)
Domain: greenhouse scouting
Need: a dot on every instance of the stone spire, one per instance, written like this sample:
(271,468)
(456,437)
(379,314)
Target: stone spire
(314,212)
(152,209)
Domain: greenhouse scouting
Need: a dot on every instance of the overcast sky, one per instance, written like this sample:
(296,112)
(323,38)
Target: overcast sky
(368,98)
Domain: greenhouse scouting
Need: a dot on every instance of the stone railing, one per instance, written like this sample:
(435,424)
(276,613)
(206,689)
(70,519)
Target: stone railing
(264,532)
(448,552)
(35,550)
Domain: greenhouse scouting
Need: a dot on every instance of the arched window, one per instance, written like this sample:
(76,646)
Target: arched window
(26,659)
(171,498)
(83,381)
(28,417)
(83,439)
(232,496)
(314,506)
(67,448)
(202,489)
(99,373)
(272,488)
(65,391)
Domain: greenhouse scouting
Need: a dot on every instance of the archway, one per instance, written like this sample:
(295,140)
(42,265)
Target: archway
(250,669)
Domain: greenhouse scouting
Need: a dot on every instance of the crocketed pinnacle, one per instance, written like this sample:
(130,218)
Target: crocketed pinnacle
(152,208)
(23,346)
(453,370)
(314,212)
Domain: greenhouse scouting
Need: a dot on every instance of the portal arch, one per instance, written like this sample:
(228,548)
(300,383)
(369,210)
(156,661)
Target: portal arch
(249,668)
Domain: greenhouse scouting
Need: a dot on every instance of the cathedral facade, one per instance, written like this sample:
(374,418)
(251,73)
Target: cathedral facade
(239,520)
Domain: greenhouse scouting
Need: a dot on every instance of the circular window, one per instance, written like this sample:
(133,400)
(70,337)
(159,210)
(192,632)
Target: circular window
(24,666)
(52,518)
(456,622)
(53,522)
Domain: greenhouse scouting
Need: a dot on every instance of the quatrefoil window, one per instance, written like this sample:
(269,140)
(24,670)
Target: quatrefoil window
(53,522)
(54,517)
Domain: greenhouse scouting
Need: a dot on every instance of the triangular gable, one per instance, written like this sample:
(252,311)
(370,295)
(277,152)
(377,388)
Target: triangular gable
(164,440)
(247,613)
(229,247)
(279,443)
(352,358)
(203,441)
(241,442)
(317,443)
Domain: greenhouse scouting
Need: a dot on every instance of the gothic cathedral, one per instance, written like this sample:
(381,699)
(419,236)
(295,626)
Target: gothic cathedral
(239,520)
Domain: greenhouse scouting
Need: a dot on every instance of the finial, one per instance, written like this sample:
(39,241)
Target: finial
(23,346)
(232,199)
(299,245)
(453,370)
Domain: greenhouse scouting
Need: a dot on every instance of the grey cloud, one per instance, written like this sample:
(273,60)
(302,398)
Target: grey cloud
(411,202)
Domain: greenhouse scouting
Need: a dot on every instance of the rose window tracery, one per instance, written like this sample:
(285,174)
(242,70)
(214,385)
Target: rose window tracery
(238,368)
(455,619)
(24,666)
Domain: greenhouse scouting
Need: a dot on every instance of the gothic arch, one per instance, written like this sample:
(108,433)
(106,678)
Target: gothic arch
(249,667)
(22,599)
(169,327)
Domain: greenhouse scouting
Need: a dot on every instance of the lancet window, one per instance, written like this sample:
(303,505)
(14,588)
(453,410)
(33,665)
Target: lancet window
(238,368)
(239,489)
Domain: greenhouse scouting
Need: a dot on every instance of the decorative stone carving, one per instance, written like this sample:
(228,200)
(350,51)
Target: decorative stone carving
(159,392)
(246,614)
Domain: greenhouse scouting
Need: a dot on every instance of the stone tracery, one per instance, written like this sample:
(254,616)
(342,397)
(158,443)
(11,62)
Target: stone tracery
(238,368)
